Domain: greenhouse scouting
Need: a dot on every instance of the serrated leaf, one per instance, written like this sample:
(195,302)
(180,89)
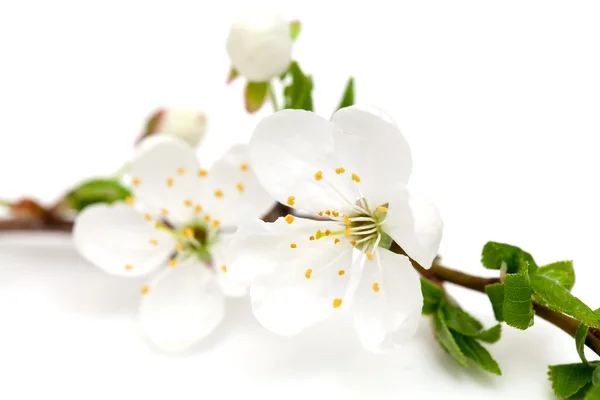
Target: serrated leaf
(232,75)
(298,94)
(295,28)
(255,95)
(495,293)
(580,337)
(444,336)
(477,353)
(96,191)
(348,97)
(460,321)
(561,272)
(432,296)
(517,307)
(568,379)
(491,335)
(560,299)
(495,254)
(593,393)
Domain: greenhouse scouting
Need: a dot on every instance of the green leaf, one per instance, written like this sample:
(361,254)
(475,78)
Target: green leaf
(494,255)
(517,306)
(348,97)
(560,299)
(580,337)
(298,94)
(495,293)
(432,296)
(233,74)
(568,379)
(491,335)
(256,94)
(96,191)
(295,28)
(596,375)
(444,336)
(561,272)
(460,321)
(477,353)
(593,393)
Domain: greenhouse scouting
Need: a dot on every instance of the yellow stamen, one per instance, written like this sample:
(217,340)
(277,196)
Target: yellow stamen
(135,181)
(197,208)
(340,170)
(189,232)
(307,273)
(369,255)
(128,267)
(335,213)
(145,289)
(319,175)
(328,213)
(346,219)
(179,246)
(172,262)
(293,245)
(376,287)
(224,268)
(336,241)
(319,234)
(327,232)
(290,200)
(337,303)
(164,211)
(207,217)
(188,203)
(216,223)
(341,272)
(218,193)
(382,209)
(129,200)
(169,182)
(181,170)
(347,233)
(153,242)
(312,238)
(202,172)
(148,217)
(244,167)
(353,242)
(289,219)
(320,213)
(240,187)
(355,178)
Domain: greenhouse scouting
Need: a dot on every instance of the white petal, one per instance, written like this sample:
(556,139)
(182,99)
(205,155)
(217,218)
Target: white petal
(287,149)
(387,317)
(228,284)
(183,305)
(416,225)
(378,112)
(241,196)
(120,240)
(185,123)
(374,150)
(165,175)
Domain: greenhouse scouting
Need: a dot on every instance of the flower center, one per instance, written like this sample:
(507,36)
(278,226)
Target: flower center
(195,239)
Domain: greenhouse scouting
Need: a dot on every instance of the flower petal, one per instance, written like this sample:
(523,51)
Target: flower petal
(229,285)
(374,150)
(181,306)
(165,173)
(118,239)
(416,225)
(387,302)
(236,194)
(292,152)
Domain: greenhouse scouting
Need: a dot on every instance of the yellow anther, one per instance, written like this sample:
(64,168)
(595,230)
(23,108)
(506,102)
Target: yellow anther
(369,255)
(355,178)
(341,272)
(244,167)
(128,267)
(312,238)
(189,232)
(158,225)
(347,233)
(335,213)
(224,268)
(181,170)
(290,200)
(336,241)
(340,170)
(307,273)
(337,303)
(353,242)
(179,246)
(293,245)
(135,181)
(216,223)
(327,232)
(289,219)
(172,262)
(188,203)
(169,182)
(207,217)
(240,187)
(320,213)
(328,213)
(129,200)
(164,211)
(346,133)
(197,208)
(218,193)
(319,175)
(145,289)
(153,242)
(346,219)
(376,287)
(148,217)
(202,172)
(382,209)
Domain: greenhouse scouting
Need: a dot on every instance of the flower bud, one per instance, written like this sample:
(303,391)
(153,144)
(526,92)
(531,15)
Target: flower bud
(260,46)
(185,123)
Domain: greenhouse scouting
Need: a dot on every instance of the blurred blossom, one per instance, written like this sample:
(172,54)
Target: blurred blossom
(187,124)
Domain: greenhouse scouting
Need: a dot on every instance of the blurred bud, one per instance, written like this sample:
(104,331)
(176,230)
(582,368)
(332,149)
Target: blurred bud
(95,191)
(260,46)
(27,209)
(185,123)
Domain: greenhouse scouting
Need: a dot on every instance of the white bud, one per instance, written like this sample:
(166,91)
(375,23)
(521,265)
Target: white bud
(185,123)
(260,46)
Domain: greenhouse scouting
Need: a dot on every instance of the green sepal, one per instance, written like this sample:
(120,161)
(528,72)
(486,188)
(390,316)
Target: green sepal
(295,28)
(348,96)
(232,75)
(255,95)
(298,93)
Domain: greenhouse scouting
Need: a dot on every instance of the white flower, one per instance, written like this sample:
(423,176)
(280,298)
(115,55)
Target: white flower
(188,124)
(260,46)
(353,172)
(178,226)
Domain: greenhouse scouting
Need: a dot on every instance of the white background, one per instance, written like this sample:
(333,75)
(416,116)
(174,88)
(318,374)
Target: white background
(499,100)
